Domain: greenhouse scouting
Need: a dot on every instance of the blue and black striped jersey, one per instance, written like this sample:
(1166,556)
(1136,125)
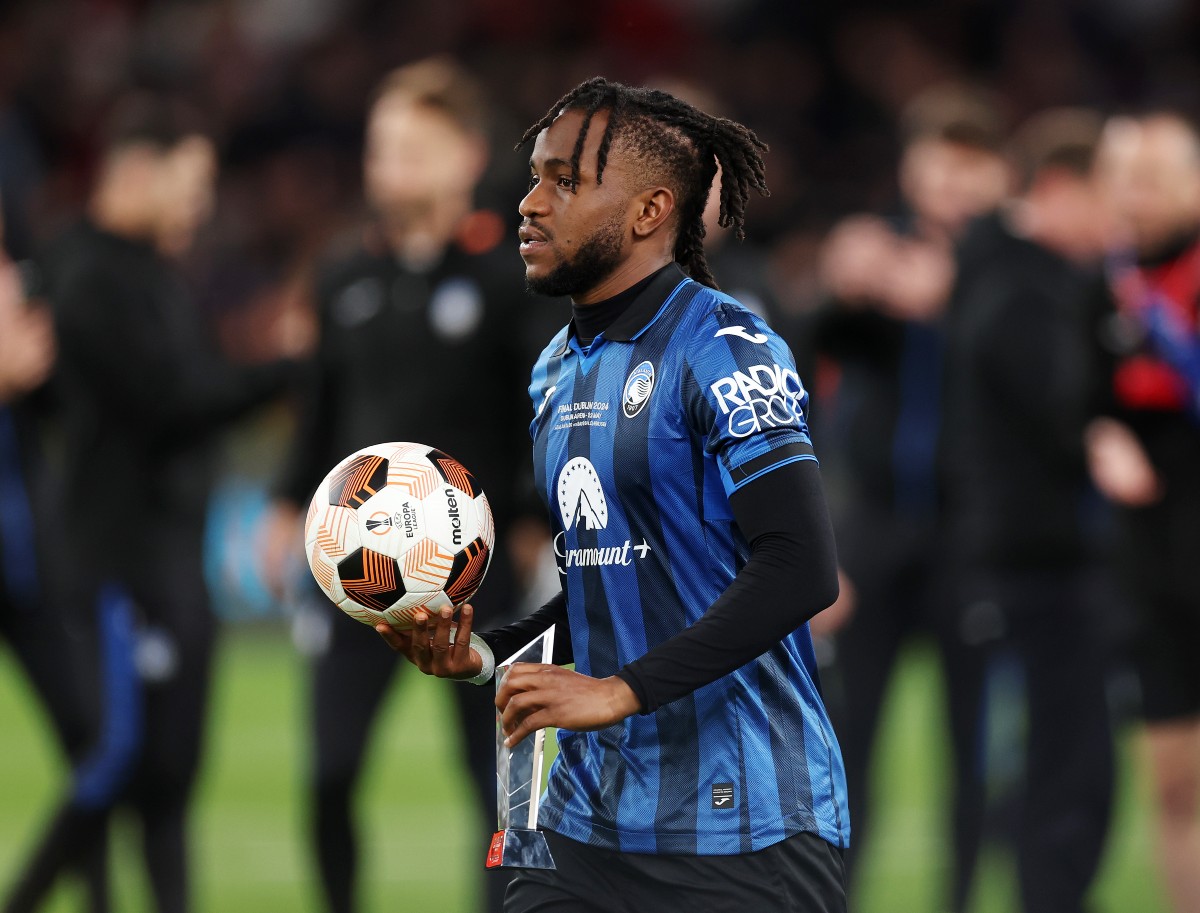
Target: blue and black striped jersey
(639,441)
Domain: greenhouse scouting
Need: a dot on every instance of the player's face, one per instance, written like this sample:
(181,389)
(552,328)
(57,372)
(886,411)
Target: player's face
(415,155)
(574,231)
(1151,171)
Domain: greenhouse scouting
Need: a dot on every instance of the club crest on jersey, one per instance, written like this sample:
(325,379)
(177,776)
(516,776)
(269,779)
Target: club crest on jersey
(638,388)
(582,504)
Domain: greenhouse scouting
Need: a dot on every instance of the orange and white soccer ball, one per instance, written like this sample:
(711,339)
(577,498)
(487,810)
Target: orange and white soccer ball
(395,528)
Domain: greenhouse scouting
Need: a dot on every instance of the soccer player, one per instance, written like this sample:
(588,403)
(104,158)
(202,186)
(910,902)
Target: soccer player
(1017,492)
(697,768)
(144,399)
(1145,454)
(429,292)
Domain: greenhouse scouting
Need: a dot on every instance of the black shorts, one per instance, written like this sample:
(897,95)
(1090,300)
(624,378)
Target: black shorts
(1159,562)
(803,874)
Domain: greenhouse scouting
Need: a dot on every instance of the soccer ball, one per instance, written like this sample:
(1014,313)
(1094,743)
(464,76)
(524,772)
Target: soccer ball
(395,528)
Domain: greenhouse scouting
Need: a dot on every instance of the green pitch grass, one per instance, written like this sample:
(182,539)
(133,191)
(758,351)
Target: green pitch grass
(249,838)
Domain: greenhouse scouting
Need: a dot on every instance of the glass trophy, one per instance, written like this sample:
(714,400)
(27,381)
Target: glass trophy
(518,843)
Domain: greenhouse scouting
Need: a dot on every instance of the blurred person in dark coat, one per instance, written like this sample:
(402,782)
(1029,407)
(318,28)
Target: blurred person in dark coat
(143,398)
(1017,493)
(426,335)
(889,281)
(1144,452)
(49,640)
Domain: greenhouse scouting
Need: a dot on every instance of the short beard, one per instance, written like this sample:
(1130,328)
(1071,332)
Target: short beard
(598,256)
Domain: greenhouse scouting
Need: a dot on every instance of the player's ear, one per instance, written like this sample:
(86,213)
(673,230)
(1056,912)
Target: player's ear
(651,208)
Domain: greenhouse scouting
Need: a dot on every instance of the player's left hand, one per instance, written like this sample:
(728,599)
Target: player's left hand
(535,695)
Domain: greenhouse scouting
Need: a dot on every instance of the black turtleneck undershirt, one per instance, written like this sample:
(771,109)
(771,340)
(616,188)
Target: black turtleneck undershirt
(593,319)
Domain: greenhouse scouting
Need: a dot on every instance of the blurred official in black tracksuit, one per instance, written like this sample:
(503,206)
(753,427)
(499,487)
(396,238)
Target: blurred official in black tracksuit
(1017,492)
(426,335)
(53,641)
(143,397)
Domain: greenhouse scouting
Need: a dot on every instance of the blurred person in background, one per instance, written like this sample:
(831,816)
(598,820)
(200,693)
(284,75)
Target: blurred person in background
(1144,452)
(47,639)
(424,336)
(1017,491)
(889,281)
(143,400)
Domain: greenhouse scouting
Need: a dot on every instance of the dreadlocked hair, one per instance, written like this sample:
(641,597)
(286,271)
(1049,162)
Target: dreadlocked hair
(675,140)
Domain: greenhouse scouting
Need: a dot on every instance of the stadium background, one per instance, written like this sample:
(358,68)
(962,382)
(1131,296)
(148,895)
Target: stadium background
(286,83)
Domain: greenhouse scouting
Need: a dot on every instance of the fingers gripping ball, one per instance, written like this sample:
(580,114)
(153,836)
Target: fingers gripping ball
(395,528)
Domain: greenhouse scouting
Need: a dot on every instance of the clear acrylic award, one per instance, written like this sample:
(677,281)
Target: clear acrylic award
(518,843)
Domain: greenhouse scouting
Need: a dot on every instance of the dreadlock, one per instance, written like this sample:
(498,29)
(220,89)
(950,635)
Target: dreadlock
(681,140)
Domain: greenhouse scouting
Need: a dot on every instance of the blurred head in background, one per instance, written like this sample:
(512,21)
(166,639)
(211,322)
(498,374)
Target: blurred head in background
(952,167)
(1061,204)
(157,174)
(1150,166)
(426,146)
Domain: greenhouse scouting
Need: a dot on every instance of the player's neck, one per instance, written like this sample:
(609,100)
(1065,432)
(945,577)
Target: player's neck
(593,319)
(627,274)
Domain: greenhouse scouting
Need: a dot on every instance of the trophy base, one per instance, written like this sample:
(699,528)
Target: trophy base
(519,848)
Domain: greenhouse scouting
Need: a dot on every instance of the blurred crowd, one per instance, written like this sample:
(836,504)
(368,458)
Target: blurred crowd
(285,84)
(983,243)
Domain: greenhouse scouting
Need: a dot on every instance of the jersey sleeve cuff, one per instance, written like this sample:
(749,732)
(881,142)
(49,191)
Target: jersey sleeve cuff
(747,472)
(634,681)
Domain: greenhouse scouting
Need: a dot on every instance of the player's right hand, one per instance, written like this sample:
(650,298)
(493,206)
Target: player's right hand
(429,647)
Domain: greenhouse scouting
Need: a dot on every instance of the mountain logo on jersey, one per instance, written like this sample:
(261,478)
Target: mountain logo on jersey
(582,504)
(580,498)
(760,397)
(638,388)
(740,333)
